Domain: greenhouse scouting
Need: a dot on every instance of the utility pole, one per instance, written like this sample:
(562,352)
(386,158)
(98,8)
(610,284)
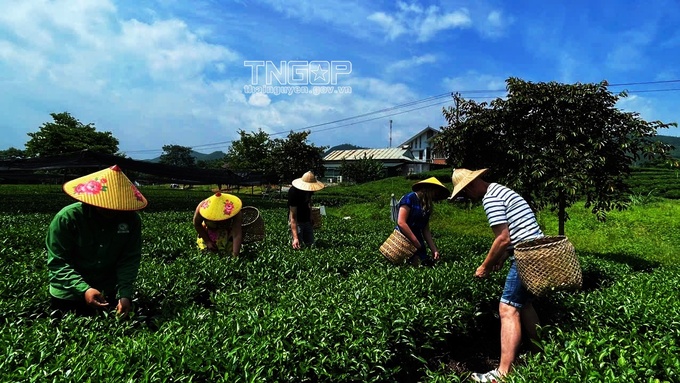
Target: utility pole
(390,133)
(456,99)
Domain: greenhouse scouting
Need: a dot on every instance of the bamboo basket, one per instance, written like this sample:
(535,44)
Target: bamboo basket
(253,225)
(397,248)
(548,264)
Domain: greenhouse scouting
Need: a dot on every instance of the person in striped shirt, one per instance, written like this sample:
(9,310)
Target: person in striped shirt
(512,221)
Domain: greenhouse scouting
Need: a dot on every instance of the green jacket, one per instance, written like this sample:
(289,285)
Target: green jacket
(86,249)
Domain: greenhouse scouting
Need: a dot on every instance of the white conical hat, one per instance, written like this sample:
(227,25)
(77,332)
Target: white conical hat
(308,182)
(462,177)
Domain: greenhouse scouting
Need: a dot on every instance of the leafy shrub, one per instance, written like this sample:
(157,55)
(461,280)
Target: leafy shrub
(339,311)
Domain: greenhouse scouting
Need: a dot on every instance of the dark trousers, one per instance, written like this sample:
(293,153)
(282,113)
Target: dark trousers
(305,232)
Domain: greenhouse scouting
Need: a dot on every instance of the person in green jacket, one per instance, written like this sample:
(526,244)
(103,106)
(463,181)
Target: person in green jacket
(94,245)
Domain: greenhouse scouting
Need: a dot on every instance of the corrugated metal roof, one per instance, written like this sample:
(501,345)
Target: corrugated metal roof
(435,131)
(376,154)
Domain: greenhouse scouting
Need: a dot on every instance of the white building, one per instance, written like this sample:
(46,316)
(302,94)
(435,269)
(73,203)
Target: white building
(396,161)
(421,146)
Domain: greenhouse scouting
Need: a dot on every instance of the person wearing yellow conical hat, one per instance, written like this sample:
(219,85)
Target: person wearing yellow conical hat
(512,221)
(94,246)
(218,221)
(300,209)
(413,219)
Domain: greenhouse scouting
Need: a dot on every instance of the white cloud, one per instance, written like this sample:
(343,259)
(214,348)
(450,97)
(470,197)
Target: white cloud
(422,23)
(170,49)
(20,60)
(346,16)
(40,23)
(259,99)
(393,28)
(495,24)
(139,80)
(435,22)
(413,7)
(412,62)
(381,92)
(169,72)
(409,18)
(635,103)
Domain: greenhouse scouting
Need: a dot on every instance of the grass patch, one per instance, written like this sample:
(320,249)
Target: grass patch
(648,231)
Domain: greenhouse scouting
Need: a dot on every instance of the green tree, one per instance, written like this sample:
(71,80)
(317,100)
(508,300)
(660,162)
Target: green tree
(253,153)
(293,157)
(67,135)
(12,154)
(177,155)
(553,143)
(210,164)
(362,170)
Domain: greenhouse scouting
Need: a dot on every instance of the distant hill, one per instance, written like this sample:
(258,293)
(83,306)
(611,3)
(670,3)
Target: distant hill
(218,155)
(675,141)
(343,147)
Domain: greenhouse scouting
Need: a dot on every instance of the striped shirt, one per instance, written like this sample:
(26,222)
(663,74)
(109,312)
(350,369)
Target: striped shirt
(503,205)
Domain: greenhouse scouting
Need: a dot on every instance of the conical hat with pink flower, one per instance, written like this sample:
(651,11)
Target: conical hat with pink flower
(108,189)
(220,206)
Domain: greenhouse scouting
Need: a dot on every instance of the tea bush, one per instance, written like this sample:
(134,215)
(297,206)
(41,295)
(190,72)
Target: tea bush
(337,312)
(655,182)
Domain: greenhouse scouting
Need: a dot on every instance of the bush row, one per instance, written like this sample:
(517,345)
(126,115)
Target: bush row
(337,312)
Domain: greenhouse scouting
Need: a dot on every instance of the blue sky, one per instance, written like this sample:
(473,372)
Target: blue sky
(159,72)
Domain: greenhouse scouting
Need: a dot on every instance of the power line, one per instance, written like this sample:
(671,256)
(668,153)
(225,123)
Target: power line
(344,125)
(646,83)
(386,111)
(204,146)
(374,112)
(653,90)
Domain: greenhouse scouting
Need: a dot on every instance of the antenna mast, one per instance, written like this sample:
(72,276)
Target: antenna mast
(390,133)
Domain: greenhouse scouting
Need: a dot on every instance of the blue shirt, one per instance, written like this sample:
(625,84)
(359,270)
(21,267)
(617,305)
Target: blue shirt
(417,218)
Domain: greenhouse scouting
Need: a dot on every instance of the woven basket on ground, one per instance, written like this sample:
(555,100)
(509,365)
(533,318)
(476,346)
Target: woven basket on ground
(253,225)
(548,264)
(397,248)
(316,217)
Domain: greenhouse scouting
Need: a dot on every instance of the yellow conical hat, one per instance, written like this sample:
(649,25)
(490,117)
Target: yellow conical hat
(220,206)
(108,189)
(441,191)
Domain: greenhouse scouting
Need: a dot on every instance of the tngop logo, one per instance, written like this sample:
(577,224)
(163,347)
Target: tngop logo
(297,72)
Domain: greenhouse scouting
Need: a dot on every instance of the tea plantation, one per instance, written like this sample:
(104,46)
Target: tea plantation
(340,312)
